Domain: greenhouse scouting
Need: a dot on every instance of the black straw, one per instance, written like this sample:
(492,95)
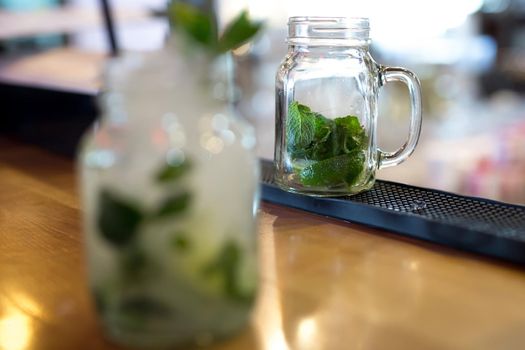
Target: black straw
(110,28)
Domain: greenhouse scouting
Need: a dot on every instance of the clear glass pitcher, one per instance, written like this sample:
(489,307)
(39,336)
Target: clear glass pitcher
(327,107)
(169,264)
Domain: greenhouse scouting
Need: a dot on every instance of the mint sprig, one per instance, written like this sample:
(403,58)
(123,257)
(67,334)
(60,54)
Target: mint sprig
(201,28)
(238,32)
(197,24)
(336,148)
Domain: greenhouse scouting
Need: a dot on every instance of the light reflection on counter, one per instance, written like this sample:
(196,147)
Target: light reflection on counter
(15,330)
(307,333)
(17,313)
(342,291)
(269,320)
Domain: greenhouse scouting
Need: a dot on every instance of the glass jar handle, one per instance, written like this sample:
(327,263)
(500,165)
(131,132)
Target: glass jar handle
(390,74)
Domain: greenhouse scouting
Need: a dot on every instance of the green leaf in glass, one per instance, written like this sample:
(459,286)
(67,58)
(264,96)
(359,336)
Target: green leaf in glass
(172,172)
(333,171)
(174,205)
(300,126)
(117,219)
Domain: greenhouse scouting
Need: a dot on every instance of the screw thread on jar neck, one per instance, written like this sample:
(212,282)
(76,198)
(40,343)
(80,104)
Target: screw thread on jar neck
(328,31)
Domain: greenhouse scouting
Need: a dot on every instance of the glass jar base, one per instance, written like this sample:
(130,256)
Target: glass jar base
(161,340)
(326,192)
(178,335)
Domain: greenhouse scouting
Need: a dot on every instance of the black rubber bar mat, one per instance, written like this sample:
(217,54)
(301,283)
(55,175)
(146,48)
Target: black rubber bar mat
(473,224)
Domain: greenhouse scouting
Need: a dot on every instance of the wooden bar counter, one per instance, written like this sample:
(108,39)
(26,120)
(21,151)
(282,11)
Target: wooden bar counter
(325,284)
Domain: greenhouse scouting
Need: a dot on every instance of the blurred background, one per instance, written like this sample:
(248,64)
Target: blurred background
(469,55)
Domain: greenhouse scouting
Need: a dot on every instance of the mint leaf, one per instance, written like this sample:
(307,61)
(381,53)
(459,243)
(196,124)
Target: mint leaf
(134,264)
(323,127)
(99,297)
(300,126)
(201,27)
(117,219)
(142,306)
(180,242)
(174,205)
(227,265)
(172,172)
(319,151)
(350,133)
(238,32)
(138,311)
(333,171)
(355,166)
(322,147)
(198,25)
(349,123)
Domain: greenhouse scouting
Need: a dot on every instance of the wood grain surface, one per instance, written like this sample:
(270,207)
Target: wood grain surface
(325,284)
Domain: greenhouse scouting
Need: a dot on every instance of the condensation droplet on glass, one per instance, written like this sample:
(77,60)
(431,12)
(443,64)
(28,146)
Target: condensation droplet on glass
(228,136)
(248,141)
(101,159)
(177,137)
(212,144)
(219,122)
(175,157)
(205,123)
(219,91)
(205,136)
(113,99)
(168,120)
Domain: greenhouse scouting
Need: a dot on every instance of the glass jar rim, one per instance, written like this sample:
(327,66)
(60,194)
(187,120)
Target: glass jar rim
(334,31)
(345,22)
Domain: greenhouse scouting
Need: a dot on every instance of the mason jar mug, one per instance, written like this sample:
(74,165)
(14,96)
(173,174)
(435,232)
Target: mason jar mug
(327,109)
